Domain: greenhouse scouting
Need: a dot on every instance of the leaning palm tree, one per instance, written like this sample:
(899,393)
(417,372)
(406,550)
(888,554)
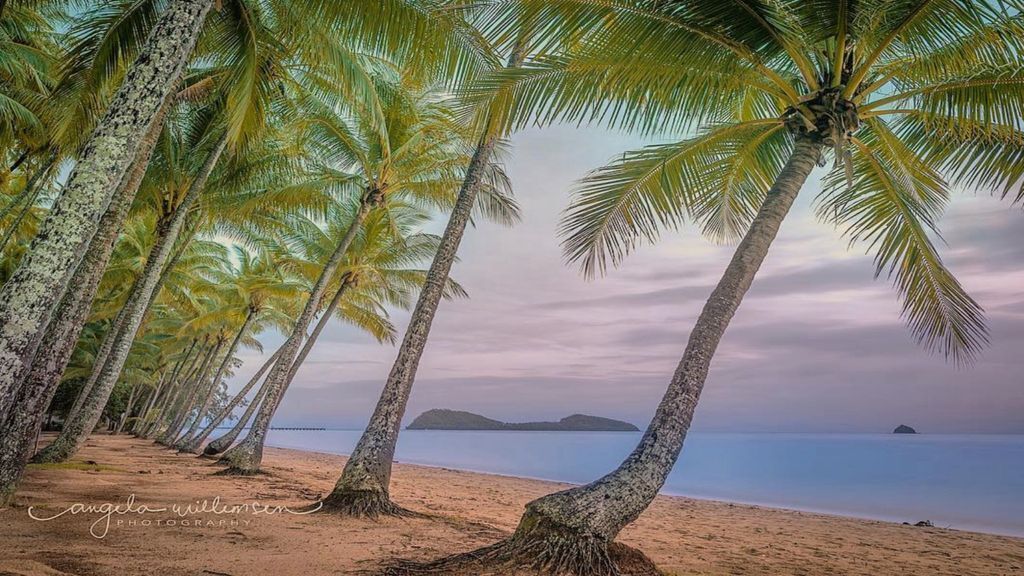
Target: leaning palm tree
(363,488)
(407,28)
(407,150)
(908,99)
(256,284)
(375,273)
(27,300)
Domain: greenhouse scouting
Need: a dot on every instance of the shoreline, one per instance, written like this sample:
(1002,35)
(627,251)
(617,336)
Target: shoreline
(467,510)
(967,525)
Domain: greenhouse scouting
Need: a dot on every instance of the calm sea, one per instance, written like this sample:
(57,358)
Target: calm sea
(964,482)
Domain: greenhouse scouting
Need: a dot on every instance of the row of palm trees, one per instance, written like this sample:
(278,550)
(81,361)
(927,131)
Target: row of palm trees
(318,137)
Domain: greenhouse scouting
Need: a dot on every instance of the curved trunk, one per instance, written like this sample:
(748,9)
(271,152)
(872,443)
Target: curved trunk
(576,526)
(325,319)
(246,457)
(76,431)
(170,385)
(363,486)
(219,445)
(190,442)
(235,401)
(106,345)
(198,402)
(224,442)
(28,299)
(175,413)
(61,336)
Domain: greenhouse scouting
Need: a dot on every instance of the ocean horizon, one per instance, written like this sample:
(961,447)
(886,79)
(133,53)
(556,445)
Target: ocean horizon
(969,482)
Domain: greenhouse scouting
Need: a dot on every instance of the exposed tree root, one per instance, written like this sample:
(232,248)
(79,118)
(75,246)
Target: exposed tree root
(365,504)
(232,471)
(538,547)
(515,558)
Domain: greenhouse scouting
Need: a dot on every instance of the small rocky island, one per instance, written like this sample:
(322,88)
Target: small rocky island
(904,429)
(441,419)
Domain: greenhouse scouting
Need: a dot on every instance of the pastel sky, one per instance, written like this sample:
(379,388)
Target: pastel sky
(818,344)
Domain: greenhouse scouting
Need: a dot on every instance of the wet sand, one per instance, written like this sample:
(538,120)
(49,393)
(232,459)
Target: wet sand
(467,510)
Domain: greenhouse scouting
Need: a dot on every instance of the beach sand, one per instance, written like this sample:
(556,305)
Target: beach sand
(469,510)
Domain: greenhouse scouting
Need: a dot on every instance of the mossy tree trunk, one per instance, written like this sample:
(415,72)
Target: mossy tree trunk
(19,429)
(76,430)
(28,299)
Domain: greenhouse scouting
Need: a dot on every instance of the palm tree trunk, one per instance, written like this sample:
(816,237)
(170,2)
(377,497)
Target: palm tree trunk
(58,344)
(106,345)
(246,457)
(171,390)
(199,401)
(28,299)
(234,402)
(573,529)
(224,442)
(188,401)
(62,334)
(127,410)
(190,443)
(172,413)
(150,402)
(219,445)
(76,431)
(362,489)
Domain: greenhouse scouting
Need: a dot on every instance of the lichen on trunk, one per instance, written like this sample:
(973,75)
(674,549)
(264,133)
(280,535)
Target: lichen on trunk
(28,298)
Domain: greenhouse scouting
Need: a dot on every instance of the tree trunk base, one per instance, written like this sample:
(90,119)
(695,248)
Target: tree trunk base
(55,453)
(539,547)
(240,461)
(365,504)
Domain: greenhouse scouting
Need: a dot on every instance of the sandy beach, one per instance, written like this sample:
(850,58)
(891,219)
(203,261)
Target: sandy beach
(467,510)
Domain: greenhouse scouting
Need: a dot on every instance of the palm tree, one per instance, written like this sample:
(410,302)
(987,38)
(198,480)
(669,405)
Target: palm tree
(445,46)
(257,284)
(28,59)
(374,274)
(909,99)
(181,195)
(400,150)
(362,489)
(27,300)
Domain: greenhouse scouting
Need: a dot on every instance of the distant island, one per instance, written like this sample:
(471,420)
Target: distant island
(442,419)
(904,429)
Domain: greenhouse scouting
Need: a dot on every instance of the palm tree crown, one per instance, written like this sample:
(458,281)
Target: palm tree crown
(913,99)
